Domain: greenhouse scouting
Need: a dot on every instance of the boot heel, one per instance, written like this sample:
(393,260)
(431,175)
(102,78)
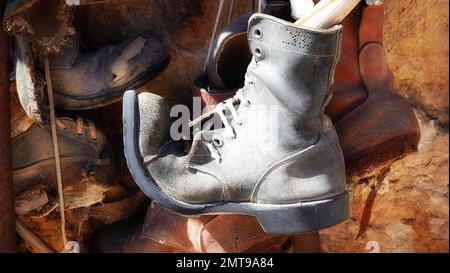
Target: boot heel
(304,217)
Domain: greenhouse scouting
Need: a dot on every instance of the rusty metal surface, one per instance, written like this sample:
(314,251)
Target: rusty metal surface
(7,218)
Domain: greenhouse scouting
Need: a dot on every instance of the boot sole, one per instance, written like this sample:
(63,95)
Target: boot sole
(291,218)
(114,95)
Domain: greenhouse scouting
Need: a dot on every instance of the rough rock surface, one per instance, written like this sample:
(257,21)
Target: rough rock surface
(416,40)
(411,211)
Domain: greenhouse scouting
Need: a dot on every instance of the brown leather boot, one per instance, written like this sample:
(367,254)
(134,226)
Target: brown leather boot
(168,232)
(374,124)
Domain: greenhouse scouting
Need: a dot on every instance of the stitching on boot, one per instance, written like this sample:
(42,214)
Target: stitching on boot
(293,51)
(225,189)
(274,166)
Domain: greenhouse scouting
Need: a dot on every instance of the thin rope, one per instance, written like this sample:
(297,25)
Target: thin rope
(260,4)
(216,25)
(231,13)
(56,150)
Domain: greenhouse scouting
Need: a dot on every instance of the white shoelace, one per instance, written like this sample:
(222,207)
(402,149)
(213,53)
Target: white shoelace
(220,110)
(229,105)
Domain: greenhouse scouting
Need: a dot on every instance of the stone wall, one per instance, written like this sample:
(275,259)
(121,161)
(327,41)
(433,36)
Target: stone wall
(411,211)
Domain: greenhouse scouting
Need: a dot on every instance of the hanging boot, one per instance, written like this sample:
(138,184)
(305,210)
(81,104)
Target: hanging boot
(84,80)
(374,124)
(296,185)
(83,150)
(225,72)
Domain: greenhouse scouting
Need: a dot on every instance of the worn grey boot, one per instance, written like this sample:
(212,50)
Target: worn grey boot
(84,80)
(286,168)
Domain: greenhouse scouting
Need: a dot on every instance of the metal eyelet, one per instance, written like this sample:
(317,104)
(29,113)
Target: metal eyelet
(258,53)
(217,141)
(248,103)
(257,33)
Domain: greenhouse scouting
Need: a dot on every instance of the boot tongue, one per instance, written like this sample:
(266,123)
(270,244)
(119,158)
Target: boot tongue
(120,66)
(204,149)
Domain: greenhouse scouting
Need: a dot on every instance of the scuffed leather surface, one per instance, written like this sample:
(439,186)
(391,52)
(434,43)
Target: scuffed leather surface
(287,51)
(306,178)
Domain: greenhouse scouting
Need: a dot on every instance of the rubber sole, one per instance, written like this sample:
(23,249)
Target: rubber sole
(114,95)
(292,218)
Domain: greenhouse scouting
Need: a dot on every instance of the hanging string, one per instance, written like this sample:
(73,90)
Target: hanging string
(56,150)
(216,25)
(231,13)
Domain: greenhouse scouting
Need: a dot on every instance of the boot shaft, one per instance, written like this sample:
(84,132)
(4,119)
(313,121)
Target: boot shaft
(292,68)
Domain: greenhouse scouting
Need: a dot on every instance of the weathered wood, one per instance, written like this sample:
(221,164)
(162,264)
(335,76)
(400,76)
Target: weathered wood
(7,225)
(328,13)
(301,7)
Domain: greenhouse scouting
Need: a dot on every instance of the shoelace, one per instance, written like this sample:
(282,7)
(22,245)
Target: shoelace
(229,105)
(220,109)
(80,127)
